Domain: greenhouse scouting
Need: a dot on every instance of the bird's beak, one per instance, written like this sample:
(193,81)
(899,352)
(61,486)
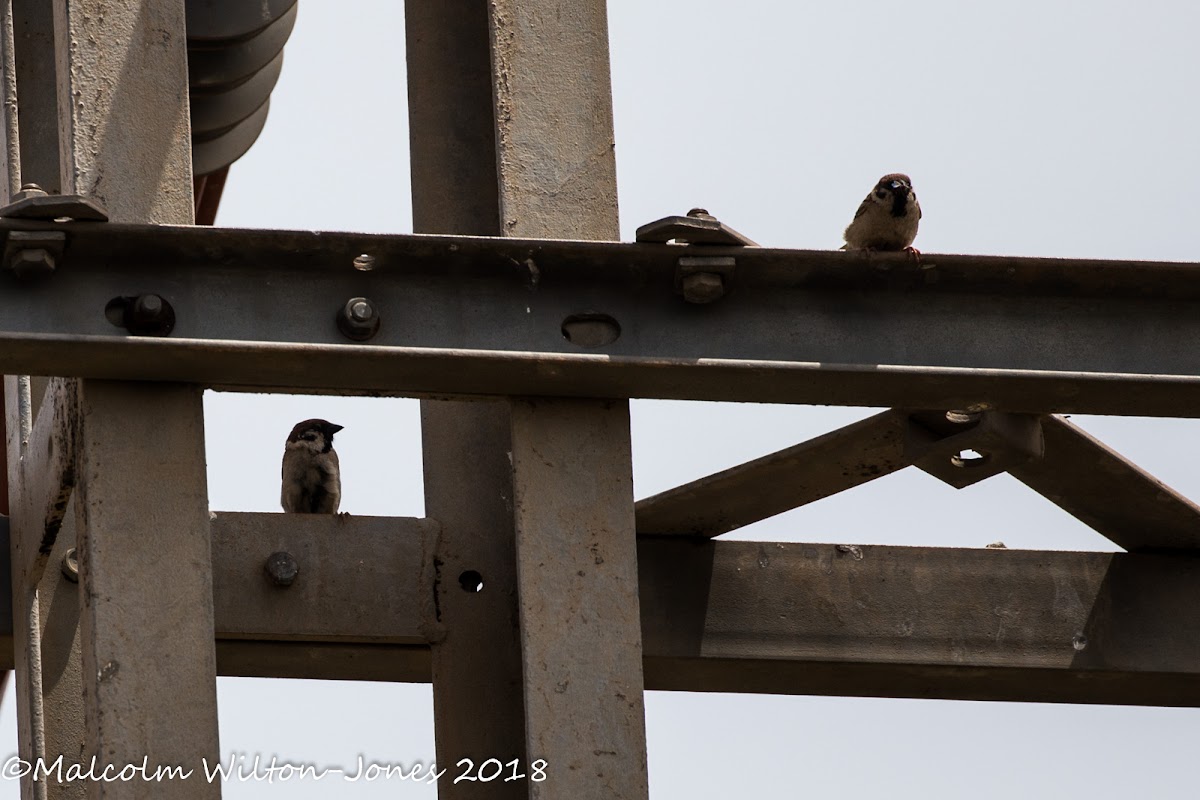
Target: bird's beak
(335,428)
(894,185)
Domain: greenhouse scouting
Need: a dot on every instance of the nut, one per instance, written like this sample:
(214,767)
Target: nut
(702,287)
(31,261)
(358,319)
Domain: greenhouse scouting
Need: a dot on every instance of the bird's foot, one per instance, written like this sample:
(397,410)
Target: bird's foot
(915,253)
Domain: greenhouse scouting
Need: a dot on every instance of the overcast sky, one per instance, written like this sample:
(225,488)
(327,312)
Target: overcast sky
(1062,128)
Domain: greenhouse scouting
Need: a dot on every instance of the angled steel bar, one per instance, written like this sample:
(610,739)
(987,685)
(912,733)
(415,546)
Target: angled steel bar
(820,467)
(474,316)
(1121,501)
(1088,480)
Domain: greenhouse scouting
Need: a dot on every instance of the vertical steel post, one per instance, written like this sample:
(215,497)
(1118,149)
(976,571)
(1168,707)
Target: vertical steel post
(521,145)
(146,629)
(477,685)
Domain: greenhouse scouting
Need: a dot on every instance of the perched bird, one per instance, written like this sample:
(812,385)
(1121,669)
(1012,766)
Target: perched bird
(312,479)
(887,219)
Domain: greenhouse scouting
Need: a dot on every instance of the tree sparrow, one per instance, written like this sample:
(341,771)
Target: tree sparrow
(312,479)
(887,219)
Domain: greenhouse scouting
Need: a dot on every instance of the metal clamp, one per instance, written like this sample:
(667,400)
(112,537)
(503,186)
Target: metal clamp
(33,202)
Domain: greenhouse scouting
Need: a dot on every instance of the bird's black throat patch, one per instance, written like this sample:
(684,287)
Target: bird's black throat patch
(899,203)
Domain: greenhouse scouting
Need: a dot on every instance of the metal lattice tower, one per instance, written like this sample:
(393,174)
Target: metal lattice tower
(525,328)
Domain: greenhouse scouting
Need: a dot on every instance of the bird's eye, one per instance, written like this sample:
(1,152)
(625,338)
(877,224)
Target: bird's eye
(310,437)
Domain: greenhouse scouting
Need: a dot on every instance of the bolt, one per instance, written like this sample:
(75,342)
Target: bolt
(364,262)
(31,261)
(700,213)
(70,566)
(149,315)
(281,568)
(29,190)
(702,287)
(358,319)
(147,308)
(361,311)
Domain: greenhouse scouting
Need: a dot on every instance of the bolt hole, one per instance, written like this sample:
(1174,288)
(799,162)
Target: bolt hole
(471,581)
(967,459)
(364,262)
(1079,642)
(590,329)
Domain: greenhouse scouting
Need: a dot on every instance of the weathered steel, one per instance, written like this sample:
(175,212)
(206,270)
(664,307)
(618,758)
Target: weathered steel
(478,694)
(963,449)
(146,620)
(831,463)
(577,568)
(789,618)
(571,463)
(44,470)
(485,316)
(350,568)
(10,136)
(37,93)
(921,622)
(145,573)
(1121,501)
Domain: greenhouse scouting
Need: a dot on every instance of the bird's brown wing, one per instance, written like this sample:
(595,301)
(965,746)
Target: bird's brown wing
(862,208)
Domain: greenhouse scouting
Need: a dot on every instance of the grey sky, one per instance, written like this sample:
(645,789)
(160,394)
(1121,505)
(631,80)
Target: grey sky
(1063,128)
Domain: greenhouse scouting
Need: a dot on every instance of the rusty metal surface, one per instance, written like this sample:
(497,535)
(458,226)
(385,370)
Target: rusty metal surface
(577,571)
(41,474)
(485,316)
(350,567)
(1123,502)
(831,463)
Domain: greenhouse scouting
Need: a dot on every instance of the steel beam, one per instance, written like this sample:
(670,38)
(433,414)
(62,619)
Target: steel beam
(465,316)
(787,618)
(831,463)
(921,622)
(146,613)
(1070,468)
(475,659)
(1118,499)
(581,640)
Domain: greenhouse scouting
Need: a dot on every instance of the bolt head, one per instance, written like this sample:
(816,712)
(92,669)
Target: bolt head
(281,568)
(362,311)
(31,261)
(702,287)
(358,319)
(148,306)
